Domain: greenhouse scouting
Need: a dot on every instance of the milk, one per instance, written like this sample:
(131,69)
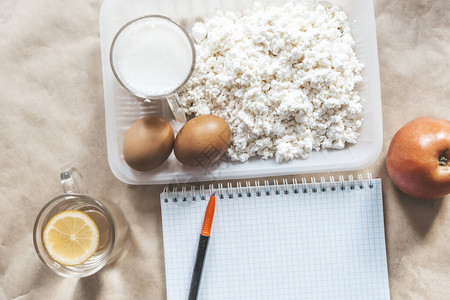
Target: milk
(152,57)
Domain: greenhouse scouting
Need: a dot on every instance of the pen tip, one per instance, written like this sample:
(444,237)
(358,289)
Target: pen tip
(209,215)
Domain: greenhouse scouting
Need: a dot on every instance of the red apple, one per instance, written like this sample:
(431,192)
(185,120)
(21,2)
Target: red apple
(418,158)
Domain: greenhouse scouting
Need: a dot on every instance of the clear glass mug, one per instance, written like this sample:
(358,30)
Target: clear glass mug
(107,215)
(137,42)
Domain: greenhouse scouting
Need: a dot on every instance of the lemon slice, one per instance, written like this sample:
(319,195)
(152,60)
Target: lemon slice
(71,237)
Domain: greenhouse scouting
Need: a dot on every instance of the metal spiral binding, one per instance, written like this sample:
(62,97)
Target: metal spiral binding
(332,183)
(175,193)
(267,187)
(323,187)
(369,177)
(285,187)
(247,189)
(276,186)
(295,185)
(239,189)
(313,185)
(229,190)
(352,184)
(166,194)
(341,183)
(304,189)
(360,179)
(257,189)
(193,198)
(202,192)
(274,189)
(220,190)
(183,194)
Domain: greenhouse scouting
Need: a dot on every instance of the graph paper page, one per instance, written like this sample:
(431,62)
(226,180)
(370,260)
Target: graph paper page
(315,245)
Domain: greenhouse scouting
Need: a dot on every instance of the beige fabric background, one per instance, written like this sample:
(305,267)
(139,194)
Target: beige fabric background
(51,106)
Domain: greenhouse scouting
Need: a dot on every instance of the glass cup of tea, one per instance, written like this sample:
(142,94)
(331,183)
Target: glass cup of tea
(76,235)
(153,57)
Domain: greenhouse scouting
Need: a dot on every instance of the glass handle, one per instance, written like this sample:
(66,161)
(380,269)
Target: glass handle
(72,181)
(175,106)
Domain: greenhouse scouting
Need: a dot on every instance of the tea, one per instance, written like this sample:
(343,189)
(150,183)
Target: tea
(110,223)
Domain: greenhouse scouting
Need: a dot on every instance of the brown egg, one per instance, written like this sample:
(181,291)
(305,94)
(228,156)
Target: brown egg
(202,141)
(148,143)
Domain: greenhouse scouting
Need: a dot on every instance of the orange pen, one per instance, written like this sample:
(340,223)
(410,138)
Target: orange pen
(201,250)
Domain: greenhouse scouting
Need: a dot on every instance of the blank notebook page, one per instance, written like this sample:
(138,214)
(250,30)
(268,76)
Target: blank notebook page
(287,245)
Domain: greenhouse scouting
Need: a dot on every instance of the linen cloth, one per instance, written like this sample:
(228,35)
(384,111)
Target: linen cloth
(52,114)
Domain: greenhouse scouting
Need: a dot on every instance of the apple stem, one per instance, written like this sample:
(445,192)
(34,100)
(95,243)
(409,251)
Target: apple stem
(442,159)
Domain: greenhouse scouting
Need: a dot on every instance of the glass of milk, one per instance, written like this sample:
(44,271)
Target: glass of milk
(153,57)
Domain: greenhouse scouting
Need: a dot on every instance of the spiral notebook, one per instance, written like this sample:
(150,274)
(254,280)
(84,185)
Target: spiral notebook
(308,240)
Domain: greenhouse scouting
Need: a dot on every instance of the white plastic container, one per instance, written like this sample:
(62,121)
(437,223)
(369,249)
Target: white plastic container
(122,109)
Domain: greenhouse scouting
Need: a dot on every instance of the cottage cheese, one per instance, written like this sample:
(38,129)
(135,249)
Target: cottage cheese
(282,77)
